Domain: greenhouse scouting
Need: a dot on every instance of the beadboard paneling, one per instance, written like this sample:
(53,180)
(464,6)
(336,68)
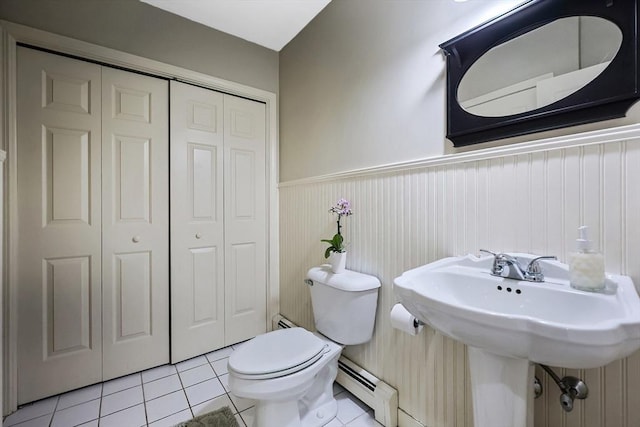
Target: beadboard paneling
(518,202)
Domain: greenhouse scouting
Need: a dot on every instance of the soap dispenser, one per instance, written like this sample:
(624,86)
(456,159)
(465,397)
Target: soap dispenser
(586,267)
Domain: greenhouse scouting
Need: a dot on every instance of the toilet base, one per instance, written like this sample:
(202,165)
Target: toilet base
(289,414)
(273,413)
(321,415)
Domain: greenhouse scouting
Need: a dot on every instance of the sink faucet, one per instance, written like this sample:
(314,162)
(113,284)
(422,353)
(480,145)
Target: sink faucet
(505,265)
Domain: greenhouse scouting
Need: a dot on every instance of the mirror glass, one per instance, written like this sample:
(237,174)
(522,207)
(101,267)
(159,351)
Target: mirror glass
(540,67)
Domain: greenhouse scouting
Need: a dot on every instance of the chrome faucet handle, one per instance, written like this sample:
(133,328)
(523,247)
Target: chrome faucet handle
(489,252)
(534,265)
(534,272)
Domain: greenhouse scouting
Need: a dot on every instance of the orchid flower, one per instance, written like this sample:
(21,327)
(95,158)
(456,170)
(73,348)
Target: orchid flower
(342,208)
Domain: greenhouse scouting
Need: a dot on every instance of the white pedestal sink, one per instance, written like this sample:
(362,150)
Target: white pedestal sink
(509,323)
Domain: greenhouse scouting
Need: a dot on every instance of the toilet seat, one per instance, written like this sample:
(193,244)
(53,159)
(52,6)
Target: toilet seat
(276,354)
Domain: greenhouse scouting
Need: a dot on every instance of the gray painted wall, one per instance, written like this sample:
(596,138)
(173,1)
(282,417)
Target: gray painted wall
(363,85)
(137,28)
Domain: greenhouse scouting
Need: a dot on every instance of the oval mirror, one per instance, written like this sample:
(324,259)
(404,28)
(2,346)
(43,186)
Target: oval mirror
(540,67)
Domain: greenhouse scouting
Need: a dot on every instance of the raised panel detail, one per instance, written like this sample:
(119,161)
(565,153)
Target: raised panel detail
(132,191)
(65,93)
(202,181)
(67,314)
(243,184)
(67,176)
(242,124)
(131,104)
(132,303)
(202,117)
(204,286)
(243,262)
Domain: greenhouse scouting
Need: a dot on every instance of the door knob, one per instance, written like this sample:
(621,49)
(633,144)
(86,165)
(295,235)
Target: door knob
(198,235)
(135,239)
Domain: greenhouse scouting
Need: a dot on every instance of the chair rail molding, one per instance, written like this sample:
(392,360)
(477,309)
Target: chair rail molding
(11,35)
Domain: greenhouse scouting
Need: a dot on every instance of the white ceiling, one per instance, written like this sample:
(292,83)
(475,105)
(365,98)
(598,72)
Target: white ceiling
(269,23)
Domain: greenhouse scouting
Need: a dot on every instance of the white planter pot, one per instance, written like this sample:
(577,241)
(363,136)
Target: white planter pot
(338,261)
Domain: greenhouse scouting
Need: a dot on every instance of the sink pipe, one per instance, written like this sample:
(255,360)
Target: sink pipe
(571,387)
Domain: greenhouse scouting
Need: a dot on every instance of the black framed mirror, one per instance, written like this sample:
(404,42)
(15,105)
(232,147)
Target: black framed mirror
(546,64)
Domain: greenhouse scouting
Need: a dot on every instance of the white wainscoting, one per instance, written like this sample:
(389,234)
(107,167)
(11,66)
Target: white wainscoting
(525,198)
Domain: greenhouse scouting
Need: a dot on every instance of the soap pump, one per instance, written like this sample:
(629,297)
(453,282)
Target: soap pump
(586,267)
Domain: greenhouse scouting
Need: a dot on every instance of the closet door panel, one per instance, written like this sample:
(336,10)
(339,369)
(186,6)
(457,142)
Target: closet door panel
(242,275)
(68,285)
(67,175)
(135,222)
(197,249)
(59,210)
(132,283)
(202,164)
(132,178)
(245,219)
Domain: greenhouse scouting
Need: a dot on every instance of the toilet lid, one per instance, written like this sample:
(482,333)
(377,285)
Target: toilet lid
(277,353)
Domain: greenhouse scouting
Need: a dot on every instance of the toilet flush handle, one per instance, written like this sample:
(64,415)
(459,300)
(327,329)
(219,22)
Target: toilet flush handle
(308,282)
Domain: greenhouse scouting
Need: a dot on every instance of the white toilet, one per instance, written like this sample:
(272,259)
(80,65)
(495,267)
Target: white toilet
(290,372)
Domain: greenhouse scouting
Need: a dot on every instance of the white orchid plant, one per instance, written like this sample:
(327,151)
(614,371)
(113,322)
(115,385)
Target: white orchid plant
(336,244)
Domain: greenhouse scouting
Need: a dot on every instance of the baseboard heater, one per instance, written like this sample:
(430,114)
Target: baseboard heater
(372,391)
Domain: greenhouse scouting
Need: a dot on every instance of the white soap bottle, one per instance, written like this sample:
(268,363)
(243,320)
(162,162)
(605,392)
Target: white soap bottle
(586,267)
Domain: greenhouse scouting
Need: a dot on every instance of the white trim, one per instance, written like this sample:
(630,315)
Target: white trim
(383,399)
(616,134)
(9,144)
(11,34)
(273,205)
(62,44)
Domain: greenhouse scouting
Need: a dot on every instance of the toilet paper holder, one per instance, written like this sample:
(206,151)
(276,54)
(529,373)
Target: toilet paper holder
(404,321)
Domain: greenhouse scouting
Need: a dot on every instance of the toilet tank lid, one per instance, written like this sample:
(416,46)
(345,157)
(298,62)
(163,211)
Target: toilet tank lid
(347,281)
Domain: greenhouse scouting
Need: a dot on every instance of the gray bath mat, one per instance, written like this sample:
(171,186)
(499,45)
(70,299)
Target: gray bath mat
(222,417)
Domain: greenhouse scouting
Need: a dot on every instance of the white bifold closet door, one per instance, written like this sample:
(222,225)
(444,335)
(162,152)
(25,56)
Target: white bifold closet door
(135,222)
(197,221)
(245,217)
(59,224)
(218,220)
(92,164)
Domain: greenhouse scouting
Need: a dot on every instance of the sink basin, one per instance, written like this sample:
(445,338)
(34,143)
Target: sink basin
(547,322)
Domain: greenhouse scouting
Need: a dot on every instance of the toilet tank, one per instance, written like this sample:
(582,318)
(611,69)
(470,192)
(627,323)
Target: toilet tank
(344,305)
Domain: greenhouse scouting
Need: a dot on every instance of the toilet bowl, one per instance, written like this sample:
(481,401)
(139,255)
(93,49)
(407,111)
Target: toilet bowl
(290,372)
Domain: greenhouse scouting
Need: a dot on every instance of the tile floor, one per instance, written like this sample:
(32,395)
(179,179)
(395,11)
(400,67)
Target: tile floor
(164,396)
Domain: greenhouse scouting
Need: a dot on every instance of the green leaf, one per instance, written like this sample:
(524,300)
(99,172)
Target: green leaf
(335,245)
